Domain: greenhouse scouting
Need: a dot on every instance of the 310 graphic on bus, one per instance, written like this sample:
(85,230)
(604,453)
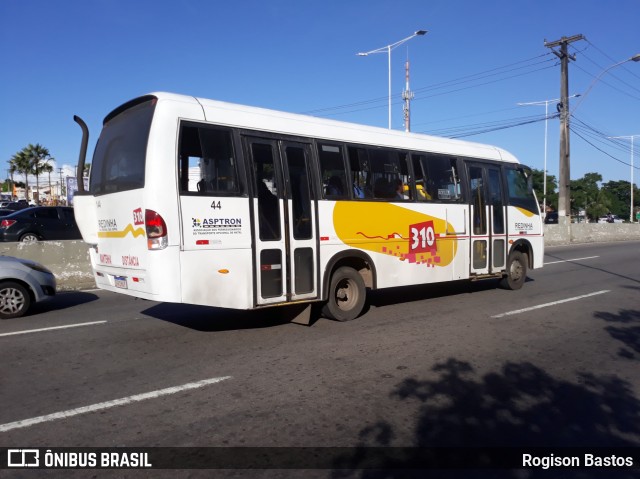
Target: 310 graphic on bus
(423,238)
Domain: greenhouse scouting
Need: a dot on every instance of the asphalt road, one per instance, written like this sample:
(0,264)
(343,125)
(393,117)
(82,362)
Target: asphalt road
(463,364)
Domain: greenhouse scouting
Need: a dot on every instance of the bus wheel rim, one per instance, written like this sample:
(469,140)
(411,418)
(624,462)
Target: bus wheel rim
(346,295)
(516,270)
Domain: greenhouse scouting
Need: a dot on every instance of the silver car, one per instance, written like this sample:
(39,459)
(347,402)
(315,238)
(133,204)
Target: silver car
(22,283)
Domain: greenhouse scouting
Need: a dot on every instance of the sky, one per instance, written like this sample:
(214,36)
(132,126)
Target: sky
(478,60)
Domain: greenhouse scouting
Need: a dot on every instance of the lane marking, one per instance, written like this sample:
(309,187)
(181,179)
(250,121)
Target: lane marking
(570,260)
(109,404)
(546,305)
(52,328)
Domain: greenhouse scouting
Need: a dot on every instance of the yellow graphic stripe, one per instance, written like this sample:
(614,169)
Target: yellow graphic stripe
(387,229)
(527,213)
(121,234)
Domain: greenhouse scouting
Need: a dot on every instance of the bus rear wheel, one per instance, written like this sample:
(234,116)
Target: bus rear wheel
(516,271)
(347,295)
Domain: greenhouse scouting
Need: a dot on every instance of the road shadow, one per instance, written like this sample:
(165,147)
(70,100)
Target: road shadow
(519,406)
(626,330)
(62,300)
(421,292)
(211,319)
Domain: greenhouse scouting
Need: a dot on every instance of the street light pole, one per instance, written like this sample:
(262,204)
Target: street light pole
(546,128)
(387,49)
(630,137)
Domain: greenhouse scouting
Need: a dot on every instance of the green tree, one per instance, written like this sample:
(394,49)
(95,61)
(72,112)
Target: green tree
(12,171)
(620,194)
(587,195)
(19,163)
(31,160)
(538,187)
(39,158)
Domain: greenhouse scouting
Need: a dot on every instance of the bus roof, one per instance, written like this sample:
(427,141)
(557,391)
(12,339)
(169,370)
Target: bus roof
(262,119)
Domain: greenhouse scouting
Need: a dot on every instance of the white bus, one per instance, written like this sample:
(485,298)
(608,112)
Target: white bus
(204,202)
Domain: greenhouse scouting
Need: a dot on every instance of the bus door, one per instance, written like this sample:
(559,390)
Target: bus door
(488,225)
(284,223)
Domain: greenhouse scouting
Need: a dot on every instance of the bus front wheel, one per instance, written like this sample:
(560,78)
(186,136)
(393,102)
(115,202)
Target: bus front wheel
(347,295)
(516,271)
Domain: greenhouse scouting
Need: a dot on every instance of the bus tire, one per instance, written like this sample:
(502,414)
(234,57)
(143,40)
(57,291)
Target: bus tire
(516,271)
(347,295)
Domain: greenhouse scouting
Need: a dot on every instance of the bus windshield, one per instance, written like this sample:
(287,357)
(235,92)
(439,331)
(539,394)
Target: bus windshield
(119,159)
(520,187)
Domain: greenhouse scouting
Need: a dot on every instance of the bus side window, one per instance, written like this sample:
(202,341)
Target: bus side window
(403,182)
(267,189)
(333,172)
(207,162)
(424,187)
(390,174)
(360,174)
(440,178)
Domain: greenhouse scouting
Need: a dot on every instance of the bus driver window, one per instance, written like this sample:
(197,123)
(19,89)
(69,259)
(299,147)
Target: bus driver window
(207,162)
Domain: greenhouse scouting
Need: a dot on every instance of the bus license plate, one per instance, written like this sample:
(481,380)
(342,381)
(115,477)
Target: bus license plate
(120,282)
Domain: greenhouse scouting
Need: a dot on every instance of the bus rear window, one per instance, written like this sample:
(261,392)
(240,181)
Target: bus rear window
(119,160)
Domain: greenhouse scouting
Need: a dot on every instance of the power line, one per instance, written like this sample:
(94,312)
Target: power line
(442,120)
(483,84)
(611,75)
(613,60)
(486,74)
(354,107)
(601,137)
(595,132)
(600,149)
(476,126)
(488,127)
(613,86)
(422,97)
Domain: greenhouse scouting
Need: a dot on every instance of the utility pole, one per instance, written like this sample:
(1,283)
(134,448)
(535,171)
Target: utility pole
(407,96)
(60,191)
(564,200)
(546,128)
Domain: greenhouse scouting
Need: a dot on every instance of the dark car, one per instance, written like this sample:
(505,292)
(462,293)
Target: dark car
(17,205)
(551,218)
(40,223)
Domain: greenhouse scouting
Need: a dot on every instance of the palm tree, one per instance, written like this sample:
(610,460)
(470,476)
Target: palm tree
(44,167)
(12,171)
(20,163)
(39,158)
